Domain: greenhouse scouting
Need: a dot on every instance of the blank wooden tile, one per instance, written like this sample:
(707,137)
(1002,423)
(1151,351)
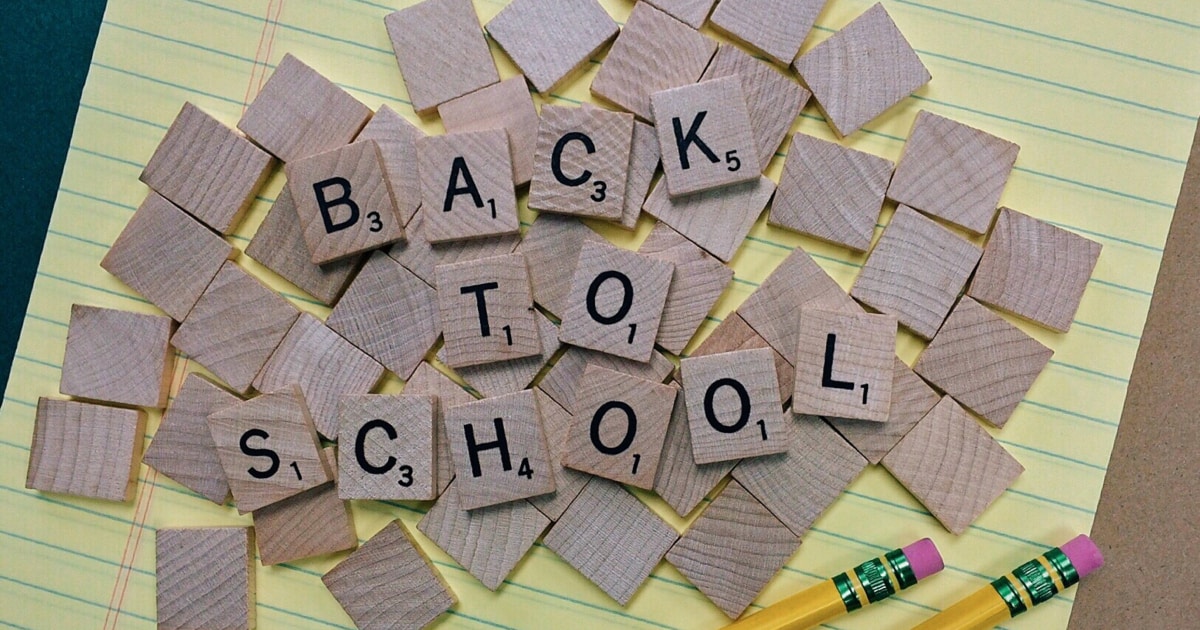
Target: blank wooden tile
(775,27)
(183,449)
(581,162)
(421,257)
(505,105)
(205,578)
(733,333)
(680,481)
(299,113)
(916,271)
(388,449)
(698,281)
(634,68)
(511,375)
(550,39)
(562,381)
(388,313)
(845,364)
(912,398)
(644,158)
(953,467)
(612,538)
(717,220)
(397,140)
(733,550)
(733,402)
(389,583)
(499,450)
(568,483)
(831,192)
(85,450)
(551,248)
(206,168)
(861,71)
(616,301)
(486,309)
(984,362)
(690,12)
(953,171)
(427,380)
(117,356)
(313,523)
(441,51)
(466,186)
(705,136)
(1034,269)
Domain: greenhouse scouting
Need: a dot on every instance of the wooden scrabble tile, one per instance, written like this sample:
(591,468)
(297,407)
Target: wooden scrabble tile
(690,12)
(953,171)
(775,27)
(1034,269)
(568,483)
(831,192)
(389,583)
(183,449)
(268,448)
(562,381)
(551,248)
(299,113)
(680,481)
(206,168)
(388,447)
(441,51)
(698,282)
(799,484)
(611,537)
(916,271)
(845,364)
(581,162)
(733,333)
(861,71)
(421,257)
(912,398)
(499,450)
(486,309)
(733,404)
(487,542)
(717,220)
(733,550)
(427,380)
(118,356)
(952,466)
(512,375)
(468,177)
(205,577)
(313,523)
(984,362)
(634,68)
(397,140)
(705,136)
(235,326)
(85,450)
(616,301)
(644,157)
(505,105)
(550,39)
(388,313)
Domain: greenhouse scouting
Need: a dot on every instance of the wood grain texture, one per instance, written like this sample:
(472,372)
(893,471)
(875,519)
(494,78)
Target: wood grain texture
(1034,269)
(568,483)
(733,333)
(733,550)
(733,405)
(466,186)
(551,248)
(486,310)
(912,398)
(183,449)
(984,362)
(205,578)
(562,381)
(644,158)
(680,481)
(505,105)
(299,113)
(313,523)
(511,375)
(654,52)
(427,380)
(550,39)
(717,220)
(581,162)
(953,171)
(611,537)
(711,114)
(690,12)
(389,583)
(845,364)
(421,257)
(206,168)
(397,140)
(389,450)
(118,356)
(777,28)
(916,271)
(441,51)
(697,284)
(85,450)
(952,466)
(831,192)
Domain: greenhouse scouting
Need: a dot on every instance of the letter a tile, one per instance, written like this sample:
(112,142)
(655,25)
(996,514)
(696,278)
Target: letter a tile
(466,186)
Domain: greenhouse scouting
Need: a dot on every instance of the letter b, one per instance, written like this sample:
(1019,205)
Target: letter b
(327,204)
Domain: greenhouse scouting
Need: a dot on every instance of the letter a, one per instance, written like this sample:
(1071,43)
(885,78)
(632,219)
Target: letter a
(459,169)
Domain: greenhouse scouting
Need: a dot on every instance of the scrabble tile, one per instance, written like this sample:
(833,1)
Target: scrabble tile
(733,550)
(183,449)
(512,375)
(952,466)
(581,162)
(85,450)
(680,481)
(831,192)
(468,177)
(421,257)
(551,248)
(389,583)
(117,356)
(235,326)
(705,136)
(717,220)
(299,113)
(616,301)
(550,39)
(505,105)
(562,381)
(916,271)
(953,171)
(690,12)
(733,404)
(499,450)
(487,542)
(775,27)
(397,140)
(427,380)
(912,398)
(268,448)
(313,523)
(166,256)
(984,362)
(1034,269)
(644,158)
(207,169)
(486,309)
(556,422)
(800,483)
(861,71)
(698,282)
(733,333)
(205,577)
(634,68)
(388,313)
(844,364)
(441,51)
(611,537)
(388,447)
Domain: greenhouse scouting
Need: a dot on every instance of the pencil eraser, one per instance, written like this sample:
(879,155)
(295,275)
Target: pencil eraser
(924,558)
(1083,554)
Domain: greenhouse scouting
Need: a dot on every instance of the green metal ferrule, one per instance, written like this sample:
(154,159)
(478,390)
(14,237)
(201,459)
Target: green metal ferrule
(903,570)
(1062,564)
(1036,580)
(845,588)
(1009,594)
(875,580)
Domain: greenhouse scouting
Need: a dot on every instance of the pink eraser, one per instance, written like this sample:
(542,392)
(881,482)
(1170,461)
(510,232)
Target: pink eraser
(1083,554)
(924,558)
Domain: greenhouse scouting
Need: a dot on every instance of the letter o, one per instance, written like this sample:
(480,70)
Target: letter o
(743,399)
(626,299)
(630,430)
